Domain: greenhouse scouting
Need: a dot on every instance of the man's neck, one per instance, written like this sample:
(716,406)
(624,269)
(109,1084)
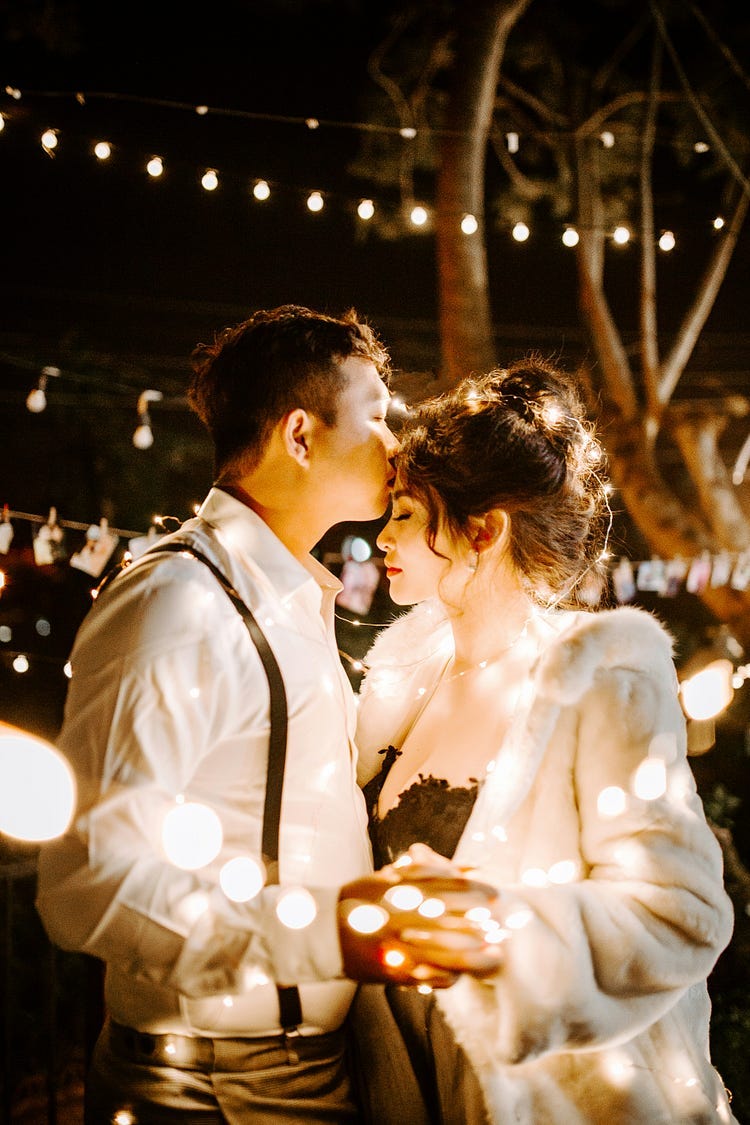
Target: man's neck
(288,523)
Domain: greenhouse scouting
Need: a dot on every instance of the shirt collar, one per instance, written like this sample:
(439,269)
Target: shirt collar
(243,532)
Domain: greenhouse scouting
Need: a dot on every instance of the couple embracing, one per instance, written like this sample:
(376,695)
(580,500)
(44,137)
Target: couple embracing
(485,891)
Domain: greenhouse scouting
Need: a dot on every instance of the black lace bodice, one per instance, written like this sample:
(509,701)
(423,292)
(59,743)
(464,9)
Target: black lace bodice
(429,812)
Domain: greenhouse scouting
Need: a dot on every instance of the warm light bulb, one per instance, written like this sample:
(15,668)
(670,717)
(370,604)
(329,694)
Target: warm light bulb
(667,241)
(102,150)
(315,201)
(650,780)
(155,167)
(408,132)
(261,190)
(718,222)
(2,122)
(700,147)
(520,232)
(191,835)
(37,788)
(241,878)
(296,909)
(570,237)
(469,224)
(36,400)
(709,692)
(143,436)
(611,801)
(607,138)
(366,209)
(621,235)
(418,216)
(512,142)
(404,897)
(210,179)
(359,549)
(21,663)
(367,918)
(49,140)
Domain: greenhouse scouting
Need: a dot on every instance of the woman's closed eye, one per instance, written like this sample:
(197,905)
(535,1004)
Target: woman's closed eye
(401,516)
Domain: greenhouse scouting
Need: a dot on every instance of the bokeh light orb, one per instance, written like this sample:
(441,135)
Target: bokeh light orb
(191,835)
(37,787)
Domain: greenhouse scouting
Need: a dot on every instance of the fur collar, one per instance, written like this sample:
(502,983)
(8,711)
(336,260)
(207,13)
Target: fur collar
(580,644)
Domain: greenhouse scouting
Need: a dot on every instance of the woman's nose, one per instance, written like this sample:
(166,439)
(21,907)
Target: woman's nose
(384,539)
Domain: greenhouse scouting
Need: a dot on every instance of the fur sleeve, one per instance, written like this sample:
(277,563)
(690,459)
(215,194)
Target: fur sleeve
(591,961)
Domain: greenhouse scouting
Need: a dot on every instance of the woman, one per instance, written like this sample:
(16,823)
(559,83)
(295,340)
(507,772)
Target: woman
(541,745)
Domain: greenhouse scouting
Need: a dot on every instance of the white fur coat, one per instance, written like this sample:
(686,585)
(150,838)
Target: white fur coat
(610,880)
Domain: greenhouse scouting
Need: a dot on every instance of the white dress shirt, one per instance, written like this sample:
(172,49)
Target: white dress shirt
(168,703)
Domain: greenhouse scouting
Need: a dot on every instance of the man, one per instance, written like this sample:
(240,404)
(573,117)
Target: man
(227,1005)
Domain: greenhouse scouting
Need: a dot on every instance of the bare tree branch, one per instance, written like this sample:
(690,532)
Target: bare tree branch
(607,341)
(697,436)
(647,301)
(695,102)
(696,316)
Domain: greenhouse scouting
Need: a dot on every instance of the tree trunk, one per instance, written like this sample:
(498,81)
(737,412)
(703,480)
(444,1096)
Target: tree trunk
(465,318)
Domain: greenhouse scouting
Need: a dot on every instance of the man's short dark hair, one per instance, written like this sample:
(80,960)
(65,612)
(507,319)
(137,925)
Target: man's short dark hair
(282,359)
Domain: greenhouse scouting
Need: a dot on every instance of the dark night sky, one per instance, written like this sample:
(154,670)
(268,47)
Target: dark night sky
(114,277)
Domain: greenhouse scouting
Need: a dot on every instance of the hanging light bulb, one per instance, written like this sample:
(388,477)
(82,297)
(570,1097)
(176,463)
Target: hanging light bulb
(210,179)
(261,190)
(666,241)
(469,224)
(418,216)
(365,209)
(36,400)
(570,237)
(143,437)
(49,140)
(520,232)
(315,201)
(102,150)
(155,167)
(621,235)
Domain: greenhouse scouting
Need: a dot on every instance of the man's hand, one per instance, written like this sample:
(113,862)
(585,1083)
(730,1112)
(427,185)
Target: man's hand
(424,923)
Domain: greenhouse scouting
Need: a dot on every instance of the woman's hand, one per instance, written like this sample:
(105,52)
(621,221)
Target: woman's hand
(423,923)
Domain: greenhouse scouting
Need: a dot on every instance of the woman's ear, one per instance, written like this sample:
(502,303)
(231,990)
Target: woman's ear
(295,434)
(490,529)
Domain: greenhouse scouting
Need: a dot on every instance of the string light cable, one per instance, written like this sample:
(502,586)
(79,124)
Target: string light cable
(416,217)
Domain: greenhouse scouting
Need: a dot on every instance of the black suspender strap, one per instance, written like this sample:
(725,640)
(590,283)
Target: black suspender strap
(290,1008)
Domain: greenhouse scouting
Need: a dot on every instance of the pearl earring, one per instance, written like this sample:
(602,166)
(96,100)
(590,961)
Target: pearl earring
(472,566)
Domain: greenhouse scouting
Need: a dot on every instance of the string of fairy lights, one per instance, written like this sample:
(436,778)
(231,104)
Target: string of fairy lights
(415,214)
(664,577)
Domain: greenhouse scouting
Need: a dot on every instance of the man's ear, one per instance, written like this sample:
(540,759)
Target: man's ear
(295,431)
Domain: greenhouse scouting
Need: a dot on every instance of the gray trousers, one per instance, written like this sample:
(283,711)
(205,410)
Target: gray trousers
(165,1080)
